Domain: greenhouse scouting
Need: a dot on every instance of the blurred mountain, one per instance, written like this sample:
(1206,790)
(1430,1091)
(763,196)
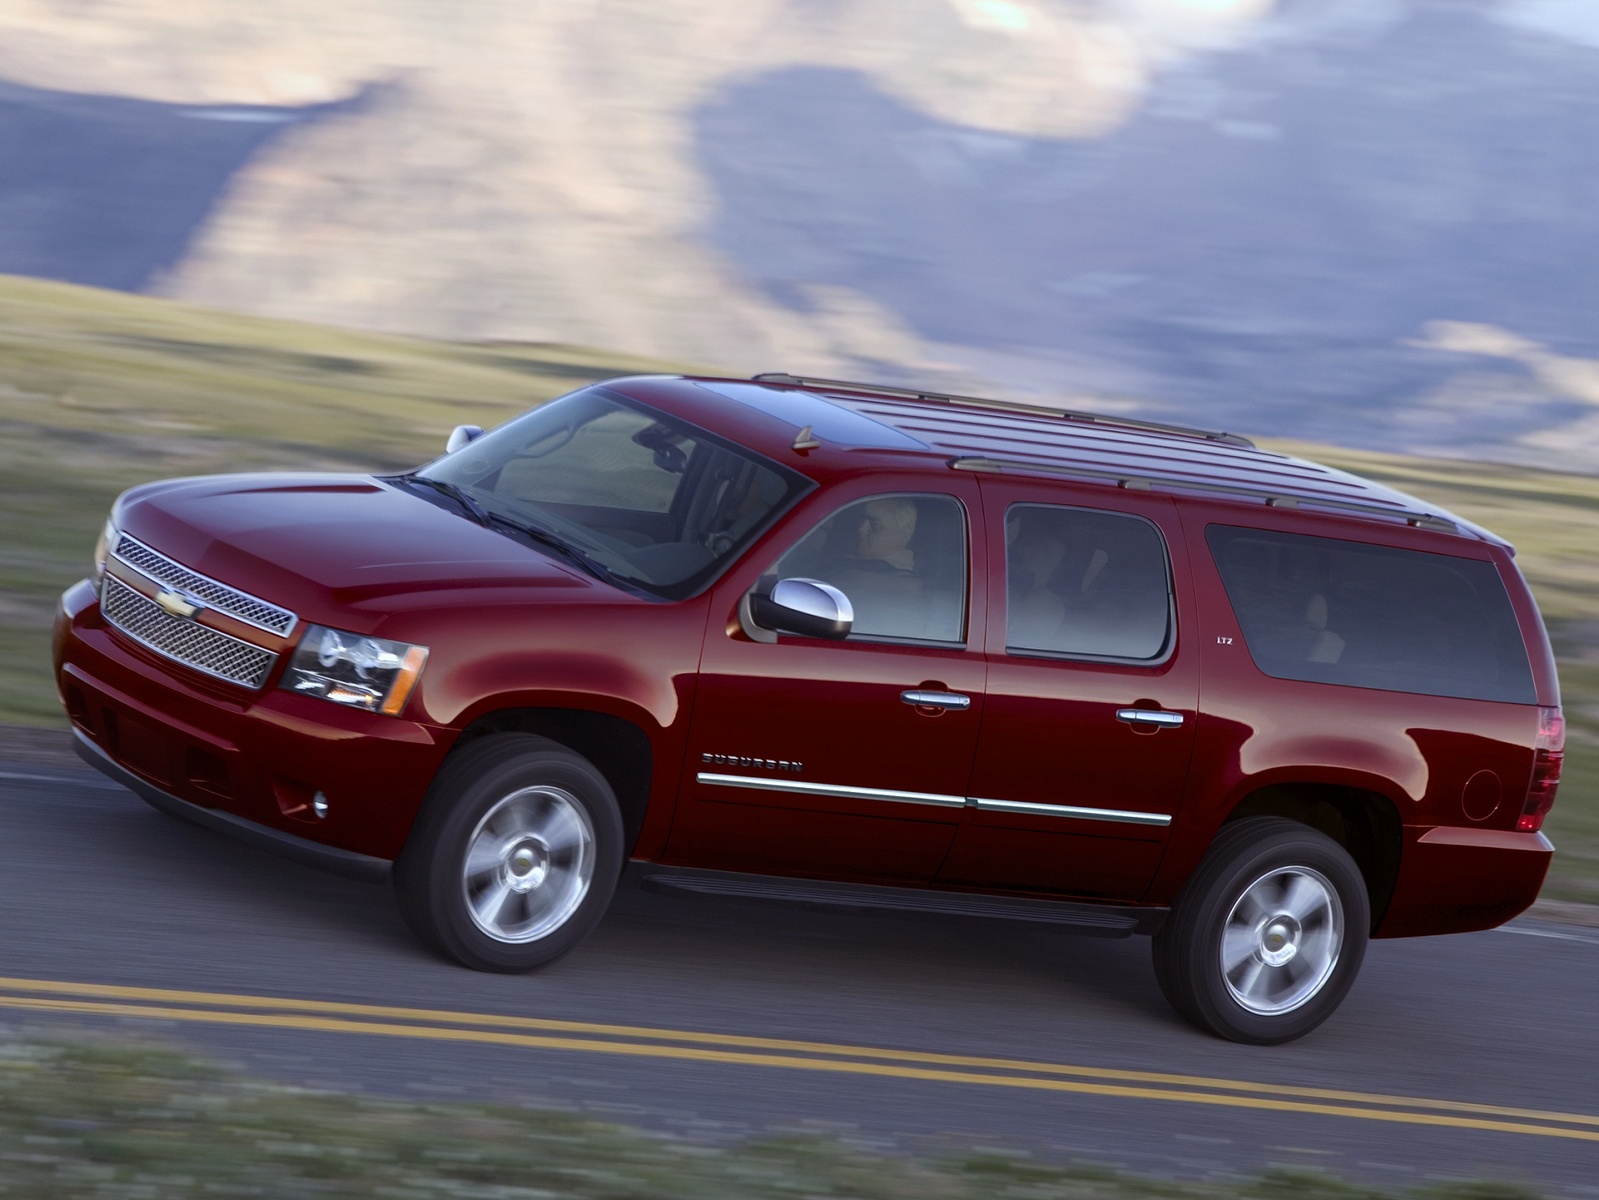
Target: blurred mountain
(1364,221)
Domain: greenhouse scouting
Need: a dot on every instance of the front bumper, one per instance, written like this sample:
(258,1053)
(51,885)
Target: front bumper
(329,858)
(251,762)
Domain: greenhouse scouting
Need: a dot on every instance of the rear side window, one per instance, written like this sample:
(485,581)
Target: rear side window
(1333,611)
(1086,584)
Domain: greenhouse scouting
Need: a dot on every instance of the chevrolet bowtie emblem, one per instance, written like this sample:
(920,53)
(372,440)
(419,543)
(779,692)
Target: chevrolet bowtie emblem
(177,604)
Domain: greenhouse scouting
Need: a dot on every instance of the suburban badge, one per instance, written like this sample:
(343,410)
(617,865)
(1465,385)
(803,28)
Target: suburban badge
(745,760)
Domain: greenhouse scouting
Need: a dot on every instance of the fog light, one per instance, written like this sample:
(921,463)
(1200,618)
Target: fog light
(319,805)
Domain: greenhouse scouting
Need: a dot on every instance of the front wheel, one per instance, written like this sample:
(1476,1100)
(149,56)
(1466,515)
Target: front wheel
(1267,936)
(514,856)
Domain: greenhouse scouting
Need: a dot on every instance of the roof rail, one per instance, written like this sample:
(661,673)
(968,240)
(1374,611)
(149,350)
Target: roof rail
(1122,479)
(1038,410)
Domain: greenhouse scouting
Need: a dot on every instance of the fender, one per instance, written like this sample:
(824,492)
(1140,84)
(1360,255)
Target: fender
(1232,761)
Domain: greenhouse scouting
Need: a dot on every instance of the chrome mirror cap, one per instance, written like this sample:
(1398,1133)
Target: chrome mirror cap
(461,435)
(807,607)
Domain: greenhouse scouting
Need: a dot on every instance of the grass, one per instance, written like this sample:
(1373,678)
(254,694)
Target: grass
(99,391)
(128,1119)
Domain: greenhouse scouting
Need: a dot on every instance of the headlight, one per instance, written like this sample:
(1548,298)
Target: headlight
(103,547)
(349,668)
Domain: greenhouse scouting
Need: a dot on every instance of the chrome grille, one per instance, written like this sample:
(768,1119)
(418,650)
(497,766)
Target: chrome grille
(208,650)
(240,605)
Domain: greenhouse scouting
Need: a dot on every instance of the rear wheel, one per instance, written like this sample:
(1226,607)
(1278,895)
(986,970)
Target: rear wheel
(514,856)
(1267,936)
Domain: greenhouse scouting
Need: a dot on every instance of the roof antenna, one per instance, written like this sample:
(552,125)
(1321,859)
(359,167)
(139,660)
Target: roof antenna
(805,440)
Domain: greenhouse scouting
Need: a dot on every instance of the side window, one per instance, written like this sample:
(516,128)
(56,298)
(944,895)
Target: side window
(1085,583)
(901,560)
(1328,610)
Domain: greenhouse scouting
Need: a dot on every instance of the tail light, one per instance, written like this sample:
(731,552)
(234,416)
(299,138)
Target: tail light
(1549,751)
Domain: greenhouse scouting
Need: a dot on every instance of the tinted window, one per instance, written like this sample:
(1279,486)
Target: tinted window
(653,501)
(901,560)
(1085,583)
(1334,611)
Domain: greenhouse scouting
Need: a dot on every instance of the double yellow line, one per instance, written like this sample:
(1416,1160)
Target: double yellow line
(325,1016)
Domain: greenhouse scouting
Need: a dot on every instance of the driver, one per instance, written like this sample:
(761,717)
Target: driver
(878,572)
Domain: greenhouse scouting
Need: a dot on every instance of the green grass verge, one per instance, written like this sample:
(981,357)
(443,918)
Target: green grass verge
(99,391)
(125,1120)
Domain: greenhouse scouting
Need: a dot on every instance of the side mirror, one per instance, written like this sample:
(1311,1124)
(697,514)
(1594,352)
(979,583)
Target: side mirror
(461,435)
(807,607)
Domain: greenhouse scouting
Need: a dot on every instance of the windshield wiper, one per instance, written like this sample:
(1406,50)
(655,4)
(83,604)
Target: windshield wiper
(561,546)
(477,512)
(491,520)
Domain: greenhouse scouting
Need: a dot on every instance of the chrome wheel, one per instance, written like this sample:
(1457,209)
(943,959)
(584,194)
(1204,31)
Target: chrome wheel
(1281,940)
(528,864)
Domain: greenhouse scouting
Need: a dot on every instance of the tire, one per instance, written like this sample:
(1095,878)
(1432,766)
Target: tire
(1265,939)
(514,856)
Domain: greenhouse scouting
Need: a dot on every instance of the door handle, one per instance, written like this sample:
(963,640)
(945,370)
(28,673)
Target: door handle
(1150,716)
(953,701)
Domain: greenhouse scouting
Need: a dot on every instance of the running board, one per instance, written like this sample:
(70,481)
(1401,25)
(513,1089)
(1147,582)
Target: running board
(1095,920)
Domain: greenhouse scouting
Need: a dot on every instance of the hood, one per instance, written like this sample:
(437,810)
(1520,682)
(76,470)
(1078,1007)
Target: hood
(314,541)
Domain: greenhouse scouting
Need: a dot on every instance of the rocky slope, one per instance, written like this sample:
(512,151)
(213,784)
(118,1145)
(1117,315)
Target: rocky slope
(1359,219)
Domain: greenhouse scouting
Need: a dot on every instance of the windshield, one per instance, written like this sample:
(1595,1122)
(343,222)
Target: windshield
(630,493)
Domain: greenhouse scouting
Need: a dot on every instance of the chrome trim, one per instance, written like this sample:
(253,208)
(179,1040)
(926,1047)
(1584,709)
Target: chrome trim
(1120,816)
(216,595)
(933,798)
(831,789)
(1149,716)
(198,647)
(950,700)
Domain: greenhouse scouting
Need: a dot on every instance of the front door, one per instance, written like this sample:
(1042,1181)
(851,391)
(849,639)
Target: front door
(844,759)
(1092,695)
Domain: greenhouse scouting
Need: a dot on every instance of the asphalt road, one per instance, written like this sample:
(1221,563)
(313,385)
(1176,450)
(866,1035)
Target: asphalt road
(1468,1056)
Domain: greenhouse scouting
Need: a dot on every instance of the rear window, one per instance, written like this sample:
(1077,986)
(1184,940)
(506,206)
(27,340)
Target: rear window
(1332,611)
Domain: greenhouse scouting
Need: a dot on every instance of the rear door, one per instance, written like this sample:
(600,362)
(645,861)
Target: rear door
(1092,692)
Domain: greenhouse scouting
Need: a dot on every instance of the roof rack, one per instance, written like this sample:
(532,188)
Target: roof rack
(1209,435)
(998,466)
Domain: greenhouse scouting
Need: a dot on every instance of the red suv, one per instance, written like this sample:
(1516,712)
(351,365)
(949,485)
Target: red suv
(852,645)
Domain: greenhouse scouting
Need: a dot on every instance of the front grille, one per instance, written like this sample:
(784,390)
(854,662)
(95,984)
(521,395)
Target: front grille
(207,650)
(225,599)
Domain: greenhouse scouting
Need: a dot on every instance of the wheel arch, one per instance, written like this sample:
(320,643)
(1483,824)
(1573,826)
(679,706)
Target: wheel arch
(1364,822)
(619,749)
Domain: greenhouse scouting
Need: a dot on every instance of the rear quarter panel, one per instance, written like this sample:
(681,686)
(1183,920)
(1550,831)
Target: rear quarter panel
(1419,752)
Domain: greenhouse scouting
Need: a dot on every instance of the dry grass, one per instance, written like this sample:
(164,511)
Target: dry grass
(126,1119)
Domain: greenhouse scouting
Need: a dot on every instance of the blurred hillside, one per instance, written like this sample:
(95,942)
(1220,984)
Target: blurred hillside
(1363,221)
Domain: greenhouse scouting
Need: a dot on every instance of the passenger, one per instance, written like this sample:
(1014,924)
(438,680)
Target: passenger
(1034,611)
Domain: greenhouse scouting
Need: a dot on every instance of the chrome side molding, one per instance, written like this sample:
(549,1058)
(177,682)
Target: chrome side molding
(830,789)
(1116,815)
(938,800)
